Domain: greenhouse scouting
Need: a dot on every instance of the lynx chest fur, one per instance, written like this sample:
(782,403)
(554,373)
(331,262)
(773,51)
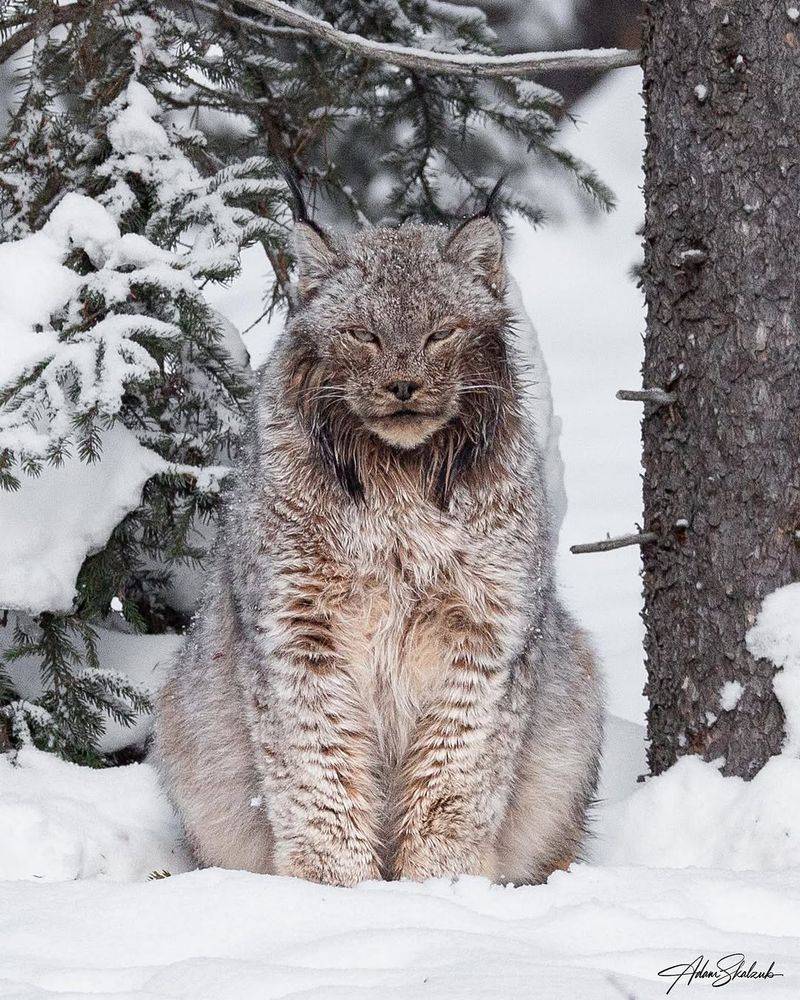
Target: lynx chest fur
(415,581)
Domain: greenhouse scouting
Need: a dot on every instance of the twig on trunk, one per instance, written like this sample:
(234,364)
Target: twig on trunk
(641,538)
(658,396)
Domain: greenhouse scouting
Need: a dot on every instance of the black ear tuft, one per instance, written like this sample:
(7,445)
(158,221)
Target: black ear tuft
(489,209)
(300,208)
(318,256)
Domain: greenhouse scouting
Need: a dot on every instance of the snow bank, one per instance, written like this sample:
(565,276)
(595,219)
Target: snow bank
(596,932)
(40,558)
(60,822)
(692,816)
(776,637)
(689,816)
(593,934)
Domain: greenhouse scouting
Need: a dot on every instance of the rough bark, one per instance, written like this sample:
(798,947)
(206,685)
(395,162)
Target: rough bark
(722,83)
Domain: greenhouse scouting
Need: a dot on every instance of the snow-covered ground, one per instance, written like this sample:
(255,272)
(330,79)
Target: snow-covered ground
(598,931)
(687,867)
(592,934)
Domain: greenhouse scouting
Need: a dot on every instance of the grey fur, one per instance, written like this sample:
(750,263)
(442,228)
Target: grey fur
(381,682)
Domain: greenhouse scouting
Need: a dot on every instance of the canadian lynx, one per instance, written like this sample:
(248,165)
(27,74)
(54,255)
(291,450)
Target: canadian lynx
(381,681)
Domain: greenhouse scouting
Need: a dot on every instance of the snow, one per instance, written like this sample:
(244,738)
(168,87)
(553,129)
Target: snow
(776,637)
(78,221)
(36,284)
(133,130)
(729,695)
(100,359)
(40,558)
(60,822)
(693,817)
(239,937)
(598,931)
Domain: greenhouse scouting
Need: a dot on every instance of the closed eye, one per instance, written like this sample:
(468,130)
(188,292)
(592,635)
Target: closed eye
(362,335)
(444,333)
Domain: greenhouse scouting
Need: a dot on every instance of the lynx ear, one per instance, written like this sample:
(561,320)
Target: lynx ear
(478,245)
(318,257)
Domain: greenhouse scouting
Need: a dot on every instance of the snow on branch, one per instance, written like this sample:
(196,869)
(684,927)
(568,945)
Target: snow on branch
(453,64)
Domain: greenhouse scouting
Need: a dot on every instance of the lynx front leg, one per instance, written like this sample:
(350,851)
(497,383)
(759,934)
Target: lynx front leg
(456,774)
(317,758)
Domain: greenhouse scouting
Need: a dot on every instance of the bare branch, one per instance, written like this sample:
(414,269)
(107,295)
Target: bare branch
(659,396)
(641,538)
(453,64)
(216,8)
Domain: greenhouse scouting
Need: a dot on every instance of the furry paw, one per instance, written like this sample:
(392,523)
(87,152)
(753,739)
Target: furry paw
(344,864)
(435,856)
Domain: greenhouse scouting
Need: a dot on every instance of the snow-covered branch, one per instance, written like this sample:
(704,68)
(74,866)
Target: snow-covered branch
(458,64)
(521,64)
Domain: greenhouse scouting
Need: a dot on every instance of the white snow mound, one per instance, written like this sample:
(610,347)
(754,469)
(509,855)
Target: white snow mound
(776,637)
(692,816)
(60,822)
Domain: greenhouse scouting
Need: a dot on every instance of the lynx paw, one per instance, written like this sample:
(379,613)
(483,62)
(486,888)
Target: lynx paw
(434,856)
(336,864)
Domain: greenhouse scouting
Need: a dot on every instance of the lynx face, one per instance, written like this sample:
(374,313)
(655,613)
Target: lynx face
(401,330)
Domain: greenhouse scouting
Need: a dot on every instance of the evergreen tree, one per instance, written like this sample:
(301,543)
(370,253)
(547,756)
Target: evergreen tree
(172,127)
(137,344)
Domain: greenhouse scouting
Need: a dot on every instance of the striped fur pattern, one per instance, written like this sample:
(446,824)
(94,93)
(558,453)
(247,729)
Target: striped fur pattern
(381,682)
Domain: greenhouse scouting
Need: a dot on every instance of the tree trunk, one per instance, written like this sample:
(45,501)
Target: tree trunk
(722,85)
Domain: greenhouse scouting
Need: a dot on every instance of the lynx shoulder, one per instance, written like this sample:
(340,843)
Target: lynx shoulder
(381,682)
